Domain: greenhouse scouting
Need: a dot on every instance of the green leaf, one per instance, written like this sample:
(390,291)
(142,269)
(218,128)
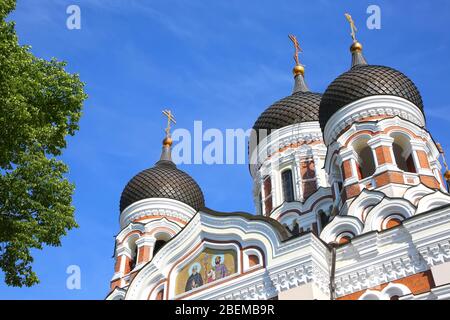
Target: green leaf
(40,105)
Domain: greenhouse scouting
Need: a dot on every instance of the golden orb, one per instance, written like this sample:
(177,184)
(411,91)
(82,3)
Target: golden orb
(167,141)
(356,46)
(447,175)
(298,69)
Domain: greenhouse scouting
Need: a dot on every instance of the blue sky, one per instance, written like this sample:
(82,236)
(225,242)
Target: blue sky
(222,62)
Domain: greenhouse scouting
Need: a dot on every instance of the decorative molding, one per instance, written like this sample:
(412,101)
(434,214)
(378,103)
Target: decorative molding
(156,207)
(379,105)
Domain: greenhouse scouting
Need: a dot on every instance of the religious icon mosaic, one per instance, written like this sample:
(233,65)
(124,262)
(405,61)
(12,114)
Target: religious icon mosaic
(208,266)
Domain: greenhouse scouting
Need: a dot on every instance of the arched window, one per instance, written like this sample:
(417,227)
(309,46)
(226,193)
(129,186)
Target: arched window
(344,237)
(324,218)
(158,245)
(160,295)
(366,162)
(134,253)
(336,174)
(309,180)
(288,187)
(344,240)
(392,221)
(403,153)
(161,239)
(253,260)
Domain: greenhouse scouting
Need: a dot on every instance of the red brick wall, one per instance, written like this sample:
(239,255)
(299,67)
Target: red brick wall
(351,191)
(383,155)
(389,177)
(418,283)
(347,169)
(117,265)
(423,159)
(144,254)
(430,182)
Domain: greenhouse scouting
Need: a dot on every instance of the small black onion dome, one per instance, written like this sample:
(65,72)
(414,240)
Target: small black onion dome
(363,81)
(164,180)
(296,108)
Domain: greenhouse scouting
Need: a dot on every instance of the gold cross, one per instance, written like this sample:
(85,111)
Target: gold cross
(170,118)
(352,26)
(297,48)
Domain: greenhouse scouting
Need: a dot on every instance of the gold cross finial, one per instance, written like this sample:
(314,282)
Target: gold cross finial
(296,47)
(170,119)
(352,26)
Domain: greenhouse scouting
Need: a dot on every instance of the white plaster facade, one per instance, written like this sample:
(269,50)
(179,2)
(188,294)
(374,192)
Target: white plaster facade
(370,220)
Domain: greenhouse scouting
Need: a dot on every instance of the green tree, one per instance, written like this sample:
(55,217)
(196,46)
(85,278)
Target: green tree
(40,104)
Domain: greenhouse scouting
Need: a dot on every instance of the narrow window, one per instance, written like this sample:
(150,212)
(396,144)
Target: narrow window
(268,195)
(158,245)
(403,153)
(309,180)
(134,249)
(288,187)
(260,204)
(366,162)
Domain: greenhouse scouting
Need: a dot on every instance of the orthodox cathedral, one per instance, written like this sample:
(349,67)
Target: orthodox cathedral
(349,196)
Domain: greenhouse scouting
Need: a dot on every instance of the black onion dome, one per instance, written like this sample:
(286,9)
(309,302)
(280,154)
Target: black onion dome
(164,180)
(363,81)
(296,108)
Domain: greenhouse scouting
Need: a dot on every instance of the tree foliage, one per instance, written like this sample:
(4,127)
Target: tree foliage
(40,104)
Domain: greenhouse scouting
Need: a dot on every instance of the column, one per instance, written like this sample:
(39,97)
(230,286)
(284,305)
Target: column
(123,262)
(145,247)
(383,153)
(420,157)
(348,166)
(298,178)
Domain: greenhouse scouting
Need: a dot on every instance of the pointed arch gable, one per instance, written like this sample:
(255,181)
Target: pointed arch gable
(400,208)
(341,225)
(363,203)
(415,193)
(432,201)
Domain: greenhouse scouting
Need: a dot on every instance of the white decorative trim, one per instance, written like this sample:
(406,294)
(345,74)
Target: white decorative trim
(377,126)
(322,196)
(378,105)
(230,228)
(414,194)
(341,224)
(432,201)
(438,293)
(156,207)
(376,258)
(387,207)
(305,132)
(362,204)
(392,289)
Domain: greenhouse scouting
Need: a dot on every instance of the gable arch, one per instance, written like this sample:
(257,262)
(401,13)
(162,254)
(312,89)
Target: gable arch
(339,226)
(363,203)
(415,193)
(386,208)
(433,201)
